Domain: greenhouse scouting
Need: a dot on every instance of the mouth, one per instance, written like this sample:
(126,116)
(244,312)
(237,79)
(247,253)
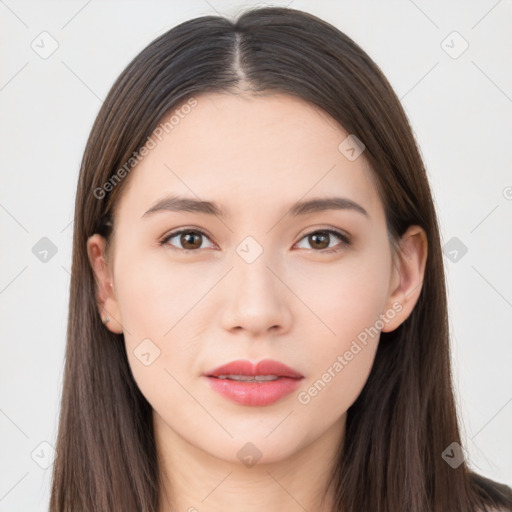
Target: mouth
(262,384)
(248,378)
(267,369)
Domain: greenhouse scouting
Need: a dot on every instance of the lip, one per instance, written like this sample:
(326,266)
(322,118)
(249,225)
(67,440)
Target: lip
(264,367)
(254,393)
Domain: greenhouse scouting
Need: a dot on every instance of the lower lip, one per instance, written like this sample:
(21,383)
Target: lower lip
(254,393)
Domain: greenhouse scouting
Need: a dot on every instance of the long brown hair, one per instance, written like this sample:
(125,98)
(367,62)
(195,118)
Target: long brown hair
(405,417)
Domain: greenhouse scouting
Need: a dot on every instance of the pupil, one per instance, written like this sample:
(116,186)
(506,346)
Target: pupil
(186,239)
(325,239)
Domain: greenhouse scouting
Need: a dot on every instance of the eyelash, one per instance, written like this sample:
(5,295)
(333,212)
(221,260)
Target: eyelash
(342,236)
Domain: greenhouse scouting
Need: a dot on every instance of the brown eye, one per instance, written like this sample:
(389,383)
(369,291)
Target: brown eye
(189,239)
(320,240)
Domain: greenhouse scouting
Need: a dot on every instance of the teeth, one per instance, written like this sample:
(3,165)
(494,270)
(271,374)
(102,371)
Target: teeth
(249,378)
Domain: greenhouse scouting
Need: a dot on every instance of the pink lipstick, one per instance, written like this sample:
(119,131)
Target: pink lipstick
(247,384)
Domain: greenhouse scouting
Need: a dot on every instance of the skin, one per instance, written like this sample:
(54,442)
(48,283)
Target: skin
(256,156)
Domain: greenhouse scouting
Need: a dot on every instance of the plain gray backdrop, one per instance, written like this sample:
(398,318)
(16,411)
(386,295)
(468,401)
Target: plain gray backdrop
(449,62)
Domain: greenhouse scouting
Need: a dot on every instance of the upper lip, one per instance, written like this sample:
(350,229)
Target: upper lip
(264,367)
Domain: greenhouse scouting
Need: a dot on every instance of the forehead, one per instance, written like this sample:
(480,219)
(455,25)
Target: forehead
(248,153)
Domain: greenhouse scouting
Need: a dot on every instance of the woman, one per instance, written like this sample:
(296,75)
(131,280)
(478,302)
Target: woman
(258,315)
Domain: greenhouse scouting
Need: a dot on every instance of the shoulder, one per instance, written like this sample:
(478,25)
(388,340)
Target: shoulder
(493,492)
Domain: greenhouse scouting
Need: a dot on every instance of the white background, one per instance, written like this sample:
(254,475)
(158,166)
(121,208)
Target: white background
(460,109)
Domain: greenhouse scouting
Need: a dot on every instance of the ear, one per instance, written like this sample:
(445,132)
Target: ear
(105,293)
(407,276)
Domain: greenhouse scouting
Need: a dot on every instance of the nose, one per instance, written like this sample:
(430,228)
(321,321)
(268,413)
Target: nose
(256,299)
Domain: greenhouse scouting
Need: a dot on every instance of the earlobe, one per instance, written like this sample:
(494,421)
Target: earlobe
(105,295)
(408,276)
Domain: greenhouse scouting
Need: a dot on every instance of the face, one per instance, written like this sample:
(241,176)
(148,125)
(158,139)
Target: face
(311,289)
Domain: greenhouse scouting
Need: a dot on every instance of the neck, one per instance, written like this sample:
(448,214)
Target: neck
(193,480)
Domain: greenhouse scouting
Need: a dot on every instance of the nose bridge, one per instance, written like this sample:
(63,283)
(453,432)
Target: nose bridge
(252,271)
(258,276)
(256,298)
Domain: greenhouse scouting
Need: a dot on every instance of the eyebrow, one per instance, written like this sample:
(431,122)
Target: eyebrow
(185,204)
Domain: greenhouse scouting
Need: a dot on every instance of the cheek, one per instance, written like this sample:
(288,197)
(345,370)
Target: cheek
(339,364)
(345,296)
(156,294)
(348,303)
(156,303)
